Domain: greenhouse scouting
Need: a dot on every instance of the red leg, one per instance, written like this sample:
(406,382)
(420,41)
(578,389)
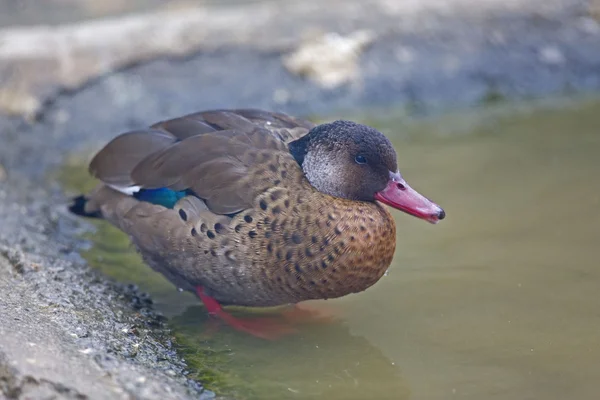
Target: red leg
(265,328)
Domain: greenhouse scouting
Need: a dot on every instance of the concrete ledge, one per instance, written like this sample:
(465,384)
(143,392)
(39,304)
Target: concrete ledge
(38,62)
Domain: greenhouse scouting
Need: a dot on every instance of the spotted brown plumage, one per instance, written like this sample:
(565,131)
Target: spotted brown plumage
(269,209)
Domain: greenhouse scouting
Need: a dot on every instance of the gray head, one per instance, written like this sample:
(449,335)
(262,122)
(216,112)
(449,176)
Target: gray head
(356,162)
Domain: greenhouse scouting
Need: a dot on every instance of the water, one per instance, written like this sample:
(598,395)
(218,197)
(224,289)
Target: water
(498,301)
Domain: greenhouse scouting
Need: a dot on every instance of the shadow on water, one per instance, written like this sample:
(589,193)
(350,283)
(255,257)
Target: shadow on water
(498,301)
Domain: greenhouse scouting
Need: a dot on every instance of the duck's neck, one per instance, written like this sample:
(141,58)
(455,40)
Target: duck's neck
(298,148)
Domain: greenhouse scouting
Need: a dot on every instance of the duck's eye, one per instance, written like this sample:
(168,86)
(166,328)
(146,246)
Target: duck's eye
(360,159)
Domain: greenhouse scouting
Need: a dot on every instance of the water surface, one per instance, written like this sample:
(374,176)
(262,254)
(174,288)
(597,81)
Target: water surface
(498,301)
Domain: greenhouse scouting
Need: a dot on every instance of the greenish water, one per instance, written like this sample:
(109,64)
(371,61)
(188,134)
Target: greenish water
(498,301)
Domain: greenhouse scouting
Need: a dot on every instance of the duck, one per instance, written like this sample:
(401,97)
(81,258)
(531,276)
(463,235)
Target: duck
(254,208)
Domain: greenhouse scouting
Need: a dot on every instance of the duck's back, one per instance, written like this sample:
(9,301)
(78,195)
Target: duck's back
(219,202)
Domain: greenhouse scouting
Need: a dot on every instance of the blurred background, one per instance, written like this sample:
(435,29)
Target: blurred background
(492,106)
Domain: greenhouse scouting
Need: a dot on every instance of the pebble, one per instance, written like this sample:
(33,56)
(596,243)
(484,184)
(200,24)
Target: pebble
(551,55)
(331,59)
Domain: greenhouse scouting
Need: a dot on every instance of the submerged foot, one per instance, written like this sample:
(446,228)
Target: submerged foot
(262,327)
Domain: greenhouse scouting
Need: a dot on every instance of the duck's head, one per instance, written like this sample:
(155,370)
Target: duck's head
(356,162)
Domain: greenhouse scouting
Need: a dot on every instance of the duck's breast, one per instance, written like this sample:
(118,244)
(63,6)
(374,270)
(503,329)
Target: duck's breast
(299,247)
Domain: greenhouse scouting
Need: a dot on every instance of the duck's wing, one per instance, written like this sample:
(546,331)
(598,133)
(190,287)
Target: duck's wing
(225,157)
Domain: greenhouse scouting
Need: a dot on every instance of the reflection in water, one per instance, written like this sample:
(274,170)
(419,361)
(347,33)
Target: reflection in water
(323,361)
(500,301)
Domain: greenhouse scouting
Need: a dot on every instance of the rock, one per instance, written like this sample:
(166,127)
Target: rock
(35,62)
(594,9)
(42,357)
(551,55)
(330,59)
(39,62)
(589,25)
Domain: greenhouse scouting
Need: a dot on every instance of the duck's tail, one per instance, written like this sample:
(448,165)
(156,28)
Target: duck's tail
(79,206)
(106,203)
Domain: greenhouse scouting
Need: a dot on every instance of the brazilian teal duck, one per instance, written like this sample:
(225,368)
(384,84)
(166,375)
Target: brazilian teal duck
(255,208)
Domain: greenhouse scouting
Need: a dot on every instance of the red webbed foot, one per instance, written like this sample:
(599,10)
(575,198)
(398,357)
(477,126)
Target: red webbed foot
(261,327)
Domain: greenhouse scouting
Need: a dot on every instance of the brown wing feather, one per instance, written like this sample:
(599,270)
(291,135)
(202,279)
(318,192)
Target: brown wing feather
(283,126)
(114,163)
(184,127)
(227,157)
